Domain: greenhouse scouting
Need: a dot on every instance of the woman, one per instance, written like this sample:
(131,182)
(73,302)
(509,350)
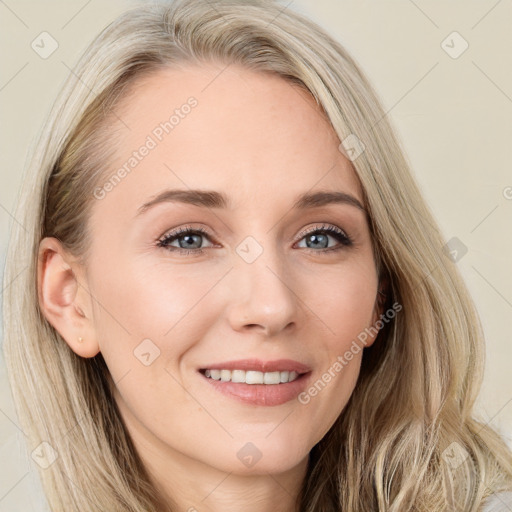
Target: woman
(235,295)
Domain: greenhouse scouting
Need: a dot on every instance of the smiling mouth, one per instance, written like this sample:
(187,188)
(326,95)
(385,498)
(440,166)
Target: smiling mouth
(252,376)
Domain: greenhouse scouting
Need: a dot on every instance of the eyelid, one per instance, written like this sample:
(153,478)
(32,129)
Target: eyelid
(324,227)
(341,236)
(175,233)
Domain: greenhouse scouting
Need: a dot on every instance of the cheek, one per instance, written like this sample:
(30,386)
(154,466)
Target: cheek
(343,299)
(149,309)
(343,304)
(324,400)
(145,324)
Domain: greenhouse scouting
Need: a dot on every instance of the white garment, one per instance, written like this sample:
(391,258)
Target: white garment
(499,502)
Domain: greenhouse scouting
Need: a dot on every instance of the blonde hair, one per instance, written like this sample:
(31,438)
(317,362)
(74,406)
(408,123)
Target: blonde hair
(388,450)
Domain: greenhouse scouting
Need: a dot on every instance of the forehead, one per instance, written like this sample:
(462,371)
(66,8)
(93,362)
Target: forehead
(253,135)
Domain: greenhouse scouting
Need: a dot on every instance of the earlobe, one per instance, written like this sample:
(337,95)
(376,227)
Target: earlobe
(63,299)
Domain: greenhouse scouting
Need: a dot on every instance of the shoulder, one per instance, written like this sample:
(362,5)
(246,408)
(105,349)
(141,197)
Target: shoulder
(499,502)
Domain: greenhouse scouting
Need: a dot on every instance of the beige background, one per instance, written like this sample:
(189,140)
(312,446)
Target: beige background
(452,115)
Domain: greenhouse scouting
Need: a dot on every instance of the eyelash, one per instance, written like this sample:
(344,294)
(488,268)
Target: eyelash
(338,234)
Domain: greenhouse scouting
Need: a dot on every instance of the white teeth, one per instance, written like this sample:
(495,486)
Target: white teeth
(214,374)
(272,378)
(252,377)
(237,376)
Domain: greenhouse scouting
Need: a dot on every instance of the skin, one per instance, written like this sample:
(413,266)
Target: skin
(262,141)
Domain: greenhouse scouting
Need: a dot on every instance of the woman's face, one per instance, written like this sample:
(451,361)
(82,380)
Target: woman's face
(252,285)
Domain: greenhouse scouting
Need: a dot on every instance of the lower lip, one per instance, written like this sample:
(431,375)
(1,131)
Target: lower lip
(261,394)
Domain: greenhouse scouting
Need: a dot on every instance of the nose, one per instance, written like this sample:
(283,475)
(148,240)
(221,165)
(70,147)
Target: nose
(262,297)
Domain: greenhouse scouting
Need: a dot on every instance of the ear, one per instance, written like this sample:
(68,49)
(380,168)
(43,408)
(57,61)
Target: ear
(64,298)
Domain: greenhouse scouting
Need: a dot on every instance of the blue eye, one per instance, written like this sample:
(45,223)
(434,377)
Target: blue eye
(319,236)
(190,238)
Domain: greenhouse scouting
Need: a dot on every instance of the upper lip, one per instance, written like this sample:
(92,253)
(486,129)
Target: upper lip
(261,366)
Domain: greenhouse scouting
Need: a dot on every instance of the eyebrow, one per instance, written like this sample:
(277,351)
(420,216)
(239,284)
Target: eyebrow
(213,199)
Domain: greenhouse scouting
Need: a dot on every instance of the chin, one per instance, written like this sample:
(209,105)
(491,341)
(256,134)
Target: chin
(263,456)
(264,466)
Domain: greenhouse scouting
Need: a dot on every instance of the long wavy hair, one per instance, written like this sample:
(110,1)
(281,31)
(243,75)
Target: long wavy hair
(407,439)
